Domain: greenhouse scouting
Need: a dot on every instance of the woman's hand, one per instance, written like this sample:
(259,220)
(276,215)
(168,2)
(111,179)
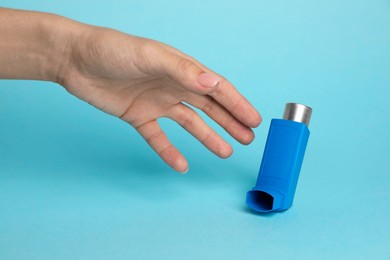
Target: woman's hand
(140,80)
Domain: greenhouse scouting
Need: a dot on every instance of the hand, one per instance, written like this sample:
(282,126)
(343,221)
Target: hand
(136,79)
(140,80)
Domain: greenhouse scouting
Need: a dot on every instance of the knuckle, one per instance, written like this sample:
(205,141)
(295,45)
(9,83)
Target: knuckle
(150,139)
(163,152)
(237,104)
(184,65)
(187,119)
(228,122)
(208,107)
(142,56)
(204,139)
(148,46)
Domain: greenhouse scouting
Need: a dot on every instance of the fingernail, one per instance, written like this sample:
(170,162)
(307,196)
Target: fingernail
(208,80)
(185,171)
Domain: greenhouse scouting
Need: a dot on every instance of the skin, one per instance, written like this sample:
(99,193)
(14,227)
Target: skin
(135,79)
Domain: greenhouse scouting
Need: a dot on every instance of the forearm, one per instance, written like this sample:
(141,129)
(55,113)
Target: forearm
(33,45)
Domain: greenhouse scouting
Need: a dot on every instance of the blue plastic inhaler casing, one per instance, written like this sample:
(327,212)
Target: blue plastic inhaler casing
(282,160)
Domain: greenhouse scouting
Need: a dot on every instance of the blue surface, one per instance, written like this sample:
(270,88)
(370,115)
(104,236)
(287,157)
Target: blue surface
(79,184)
(280,167)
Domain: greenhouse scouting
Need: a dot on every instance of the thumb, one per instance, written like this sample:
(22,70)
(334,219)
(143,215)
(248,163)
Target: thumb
(188,74)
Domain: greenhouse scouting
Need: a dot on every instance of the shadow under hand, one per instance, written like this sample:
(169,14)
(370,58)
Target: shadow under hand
(118,161)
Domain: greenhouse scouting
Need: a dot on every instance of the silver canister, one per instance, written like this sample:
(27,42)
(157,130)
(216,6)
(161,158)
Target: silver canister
(298,113)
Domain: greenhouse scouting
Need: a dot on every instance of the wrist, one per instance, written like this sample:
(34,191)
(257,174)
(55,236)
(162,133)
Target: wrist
(62,36)
(35,45)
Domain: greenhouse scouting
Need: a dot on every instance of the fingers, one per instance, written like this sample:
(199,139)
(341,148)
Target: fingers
(226,120)
(194,124)
(180,69)
(226,94)
(159,142)
(236,104)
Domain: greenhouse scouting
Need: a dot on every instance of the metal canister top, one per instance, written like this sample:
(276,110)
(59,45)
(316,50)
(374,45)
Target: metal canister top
(298,113)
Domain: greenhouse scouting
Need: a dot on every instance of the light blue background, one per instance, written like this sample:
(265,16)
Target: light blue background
(76,183)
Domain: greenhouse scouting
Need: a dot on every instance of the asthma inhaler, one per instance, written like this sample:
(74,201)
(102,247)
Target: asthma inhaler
(282,160)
